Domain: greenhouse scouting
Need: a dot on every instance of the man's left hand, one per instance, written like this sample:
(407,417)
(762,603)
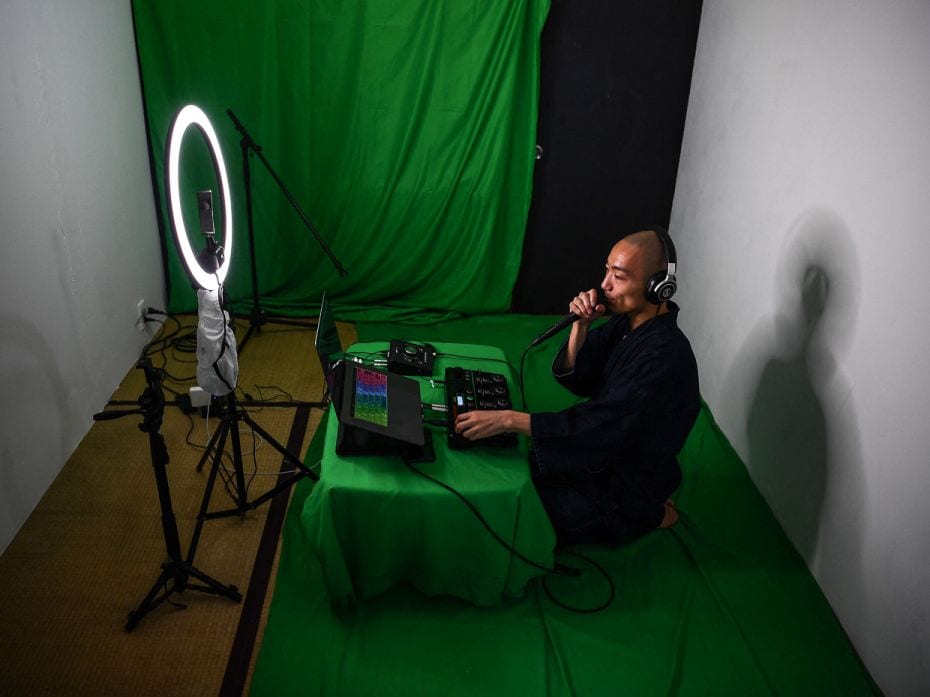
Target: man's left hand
(484,424)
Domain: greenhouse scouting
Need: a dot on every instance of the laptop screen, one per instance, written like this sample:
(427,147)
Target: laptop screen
(328,347)
(371,397)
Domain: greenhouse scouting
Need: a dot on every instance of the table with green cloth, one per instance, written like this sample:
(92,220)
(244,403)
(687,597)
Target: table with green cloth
(373,522)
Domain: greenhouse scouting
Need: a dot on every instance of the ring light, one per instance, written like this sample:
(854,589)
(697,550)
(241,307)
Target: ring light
(186,117)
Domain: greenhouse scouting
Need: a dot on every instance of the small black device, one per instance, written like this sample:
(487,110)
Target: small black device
(405,358)
(468,390)
(205,208)
(211,258)
(663,284)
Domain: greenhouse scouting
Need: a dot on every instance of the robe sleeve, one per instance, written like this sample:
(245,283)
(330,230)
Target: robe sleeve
(585,379)
(591,434)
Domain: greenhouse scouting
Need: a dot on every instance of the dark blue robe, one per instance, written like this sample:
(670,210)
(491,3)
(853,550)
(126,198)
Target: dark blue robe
(605,467)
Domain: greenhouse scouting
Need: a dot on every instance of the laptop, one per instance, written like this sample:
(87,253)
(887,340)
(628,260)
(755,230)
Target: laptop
(328,346)
(379,412)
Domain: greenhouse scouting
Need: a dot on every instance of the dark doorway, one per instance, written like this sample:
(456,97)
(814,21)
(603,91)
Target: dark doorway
(615,80)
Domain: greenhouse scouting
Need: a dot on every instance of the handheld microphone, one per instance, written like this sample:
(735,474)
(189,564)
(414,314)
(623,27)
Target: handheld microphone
(566,321)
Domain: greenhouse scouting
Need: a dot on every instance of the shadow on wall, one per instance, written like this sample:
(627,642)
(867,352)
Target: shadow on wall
(36,421)
(801,430)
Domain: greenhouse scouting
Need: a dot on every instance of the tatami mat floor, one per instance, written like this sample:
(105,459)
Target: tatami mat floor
(93,547)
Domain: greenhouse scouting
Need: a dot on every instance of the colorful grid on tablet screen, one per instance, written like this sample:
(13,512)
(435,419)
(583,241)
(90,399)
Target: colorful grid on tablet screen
(371,397)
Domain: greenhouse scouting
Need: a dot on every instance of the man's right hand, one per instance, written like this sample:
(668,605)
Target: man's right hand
(586,306)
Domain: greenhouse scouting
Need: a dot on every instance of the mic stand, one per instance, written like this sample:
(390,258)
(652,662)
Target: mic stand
(257,318)
(176,572)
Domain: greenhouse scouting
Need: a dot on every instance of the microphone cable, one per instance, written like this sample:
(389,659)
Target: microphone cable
(520,380)
(479,358)
(557,568)
(612,593)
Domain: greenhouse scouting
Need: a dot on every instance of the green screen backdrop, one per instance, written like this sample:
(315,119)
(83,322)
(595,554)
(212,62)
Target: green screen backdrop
(405,129)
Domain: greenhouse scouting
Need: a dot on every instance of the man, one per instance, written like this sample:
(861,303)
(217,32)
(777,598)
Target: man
(604,468)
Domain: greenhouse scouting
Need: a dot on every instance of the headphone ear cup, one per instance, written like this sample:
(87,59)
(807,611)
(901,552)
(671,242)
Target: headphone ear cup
(651,285)
(660,288)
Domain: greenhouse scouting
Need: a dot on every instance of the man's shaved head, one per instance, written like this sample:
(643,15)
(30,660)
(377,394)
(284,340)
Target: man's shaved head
(630,265)
(652,252)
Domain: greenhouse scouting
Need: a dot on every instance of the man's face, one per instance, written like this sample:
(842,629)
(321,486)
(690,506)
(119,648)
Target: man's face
(624,283)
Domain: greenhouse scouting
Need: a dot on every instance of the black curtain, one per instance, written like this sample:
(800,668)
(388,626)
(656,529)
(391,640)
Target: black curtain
(615,79)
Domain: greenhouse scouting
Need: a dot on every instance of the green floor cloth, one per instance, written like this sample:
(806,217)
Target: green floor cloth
(719,605)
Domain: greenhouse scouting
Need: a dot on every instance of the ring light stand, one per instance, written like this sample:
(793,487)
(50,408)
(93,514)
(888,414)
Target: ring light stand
(217,370)
(257,318)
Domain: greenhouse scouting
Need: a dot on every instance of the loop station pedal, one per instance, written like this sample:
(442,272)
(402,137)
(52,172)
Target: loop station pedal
(468,390)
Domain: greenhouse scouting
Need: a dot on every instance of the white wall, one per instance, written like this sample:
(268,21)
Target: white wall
(801,219)
(77,232)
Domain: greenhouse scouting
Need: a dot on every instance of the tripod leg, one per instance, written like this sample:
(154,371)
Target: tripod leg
(213,586)
(292,459)
(235,416)
(248,335)
(152,600)
(231,419)
(208,491)
(174,579)
(210,447)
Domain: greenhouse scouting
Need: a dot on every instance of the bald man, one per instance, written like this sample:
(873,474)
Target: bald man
(606,467)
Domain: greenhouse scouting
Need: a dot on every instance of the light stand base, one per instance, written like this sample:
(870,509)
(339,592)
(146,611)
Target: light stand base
(174,579)
(229,429)
(258,319)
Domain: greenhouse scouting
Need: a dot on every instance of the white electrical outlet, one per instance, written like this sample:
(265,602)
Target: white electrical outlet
(140,315)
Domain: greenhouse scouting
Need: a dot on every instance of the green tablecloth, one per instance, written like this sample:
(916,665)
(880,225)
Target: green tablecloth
(374,523)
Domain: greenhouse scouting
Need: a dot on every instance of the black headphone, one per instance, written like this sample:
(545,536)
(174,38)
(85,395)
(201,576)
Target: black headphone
(662,285)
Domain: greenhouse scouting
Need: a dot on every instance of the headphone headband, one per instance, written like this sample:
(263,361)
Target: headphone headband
(671,258)
(662,285)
